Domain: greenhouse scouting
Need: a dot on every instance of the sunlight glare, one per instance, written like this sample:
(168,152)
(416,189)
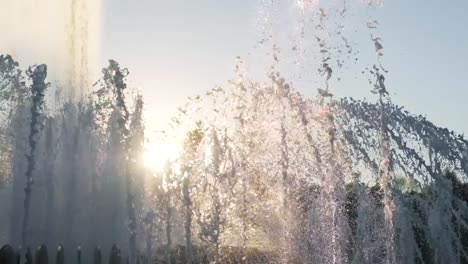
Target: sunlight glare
(158,153)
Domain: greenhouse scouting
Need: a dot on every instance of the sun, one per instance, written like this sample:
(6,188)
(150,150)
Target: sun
(158,153)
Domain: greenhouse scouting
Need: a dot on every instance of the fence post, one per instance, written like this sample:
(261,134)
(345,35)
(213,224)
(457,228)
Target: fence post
(18,256)
(115,257)
(60,258)
(97,256)
(41,255)
(28,256)
(78,253)
(7,255)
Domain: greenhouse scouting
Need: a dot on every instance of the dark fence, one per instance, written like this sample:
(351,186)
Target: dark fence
(228,255)
(8,255)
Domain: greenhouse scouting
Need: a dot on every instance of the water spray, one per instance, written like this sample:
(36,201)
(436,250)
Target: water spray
(37,74)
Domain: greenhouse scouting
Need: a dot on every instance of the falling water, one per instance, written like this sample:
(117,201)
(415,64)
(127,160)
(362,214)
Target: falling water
(265,175)
(64,34)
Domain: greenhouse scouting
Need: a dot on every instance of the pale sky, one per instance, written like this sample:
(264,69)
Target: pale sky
(180,48)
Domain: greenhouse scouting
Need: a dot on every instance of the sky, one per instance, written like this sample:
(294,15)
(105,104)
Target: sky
(175,49)
(180,48)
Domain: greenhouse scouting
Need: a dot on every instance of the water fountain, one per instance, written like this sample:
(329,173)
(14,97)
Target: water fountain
(265,174)
(72,177)
(64,34)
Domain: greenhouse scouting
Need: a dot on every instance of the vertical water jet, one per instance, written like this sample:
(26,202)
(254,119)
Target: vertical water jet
(37,74)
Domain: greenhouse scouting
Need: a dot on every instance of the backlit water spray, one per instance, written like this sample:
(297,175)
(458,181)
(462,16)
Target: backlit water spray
(265,174)
(64,34)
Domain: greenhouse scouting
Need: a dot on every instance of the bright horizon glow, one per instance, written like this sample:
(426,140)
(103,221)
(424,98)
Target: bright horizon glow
(158,153)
